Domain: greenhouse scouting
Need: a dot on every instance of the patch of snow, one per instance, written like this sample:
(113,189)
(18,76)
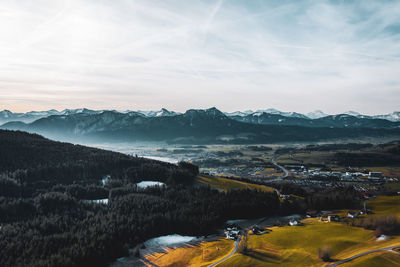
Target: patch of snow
(395,116)
(161,113)
(239,113)
(105,179)
(352,113)
(316,114)
(168,240)
(145,184)
(98,201)
(382,237)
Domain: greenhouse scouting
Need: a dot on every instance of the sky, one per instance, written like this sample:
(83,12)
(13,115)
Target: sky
(235,55)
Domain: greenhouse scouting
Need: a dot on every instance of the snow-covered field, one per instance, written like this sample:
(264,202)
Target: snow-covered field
(145,184)
(168,241)
(98,201)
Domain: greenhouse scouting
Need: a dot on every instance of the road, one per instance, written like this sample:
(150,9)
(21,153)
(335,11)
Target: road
(230,254)
(285,171)
(362,254)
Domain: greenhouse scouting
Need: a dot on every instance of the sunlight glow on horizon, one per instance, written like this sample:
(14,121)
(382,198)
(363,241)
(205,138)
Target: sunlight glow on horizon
(234,55)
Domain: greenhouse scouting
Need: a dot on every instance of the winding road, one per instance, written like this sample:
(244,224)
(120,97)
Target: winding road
(362,254)
(230,254)
(285,171)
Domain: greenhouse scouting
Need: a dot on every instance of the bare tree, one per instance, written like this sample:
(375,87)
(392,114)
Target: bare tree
(242,248)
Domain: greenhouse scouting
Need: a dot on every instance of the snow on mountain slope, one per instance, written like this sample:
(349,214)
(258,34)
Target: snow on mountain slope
(269,111)
(316,114)
(160,113)
(395,116)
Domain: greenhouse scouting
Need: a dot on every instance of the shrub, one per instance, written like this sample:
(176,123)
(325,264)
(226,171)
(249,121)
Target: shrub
(325,253)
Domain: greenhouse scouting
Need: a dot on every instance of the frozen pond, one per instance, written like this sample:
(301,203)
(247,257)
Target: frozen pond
(145,184)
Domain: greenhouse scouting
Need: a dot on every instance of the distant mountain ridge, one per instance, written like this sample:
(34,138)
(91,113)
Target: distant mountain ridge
(336,121)
(7,116)
(28,117)
(201,126)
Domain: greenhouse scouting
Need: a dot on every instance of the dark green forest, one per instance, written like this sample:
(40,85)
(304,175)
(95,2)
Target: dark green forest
(47,220)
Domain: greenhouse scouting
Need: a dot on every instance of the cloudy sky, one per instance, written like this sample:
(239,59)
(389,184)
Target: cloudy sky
(235,55)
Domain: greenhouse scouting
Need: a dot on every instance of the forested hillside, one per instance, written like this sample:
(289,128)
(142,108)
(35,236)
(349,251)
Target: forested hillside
(47,220)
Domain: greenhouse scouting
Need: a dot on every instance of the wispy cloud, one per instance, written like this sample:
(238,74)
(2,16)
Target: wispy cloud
(291,55)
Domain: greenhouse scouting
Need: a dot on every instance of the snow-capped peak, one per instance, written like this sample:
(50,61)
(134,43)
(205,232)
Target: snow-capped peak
(43,113)
(80,110)
(160,113)
(316,114)
(259,112)
(239,113)
(352,113)
(6,113)
(165,112)
(394,116)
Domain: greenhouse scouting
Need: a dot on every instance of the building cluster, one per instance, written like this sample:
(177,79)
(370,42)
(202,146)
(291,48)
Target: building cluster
(232,233)
(371,177)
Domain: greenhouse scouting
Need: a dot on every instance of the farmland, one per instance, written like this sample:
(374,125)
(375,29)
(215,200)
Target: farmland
(299,245)
(376,259)
(202,254)
(296,245)
(385,205)
(225,184)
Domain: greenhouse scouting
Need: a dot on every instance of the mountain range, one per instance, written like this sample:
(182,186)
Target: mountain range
(198,126)
(7,116)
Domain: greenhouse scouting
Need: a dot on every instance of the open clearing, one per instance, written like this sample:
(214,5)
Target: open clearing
(203,254)
(386,171)
(386,258)
(385,206)
(298,246)
(225,184)
(288,246)
(292,246)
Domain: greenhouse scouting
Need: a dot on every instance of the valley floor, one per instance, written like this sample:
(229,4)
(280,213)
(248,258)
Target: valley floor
(297,245)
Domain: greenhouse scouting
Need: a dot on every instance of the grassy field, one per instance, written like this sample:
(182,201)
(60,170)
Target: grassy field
(287,246)
(375,259)
(386,171)
(298,246)
(292,246)
(316,157)
(385,205)
(395,186)
(202,254)
(225,184)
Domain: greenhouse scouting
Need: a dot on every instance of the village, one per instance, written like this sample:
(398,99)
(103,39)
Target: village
(303,176)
